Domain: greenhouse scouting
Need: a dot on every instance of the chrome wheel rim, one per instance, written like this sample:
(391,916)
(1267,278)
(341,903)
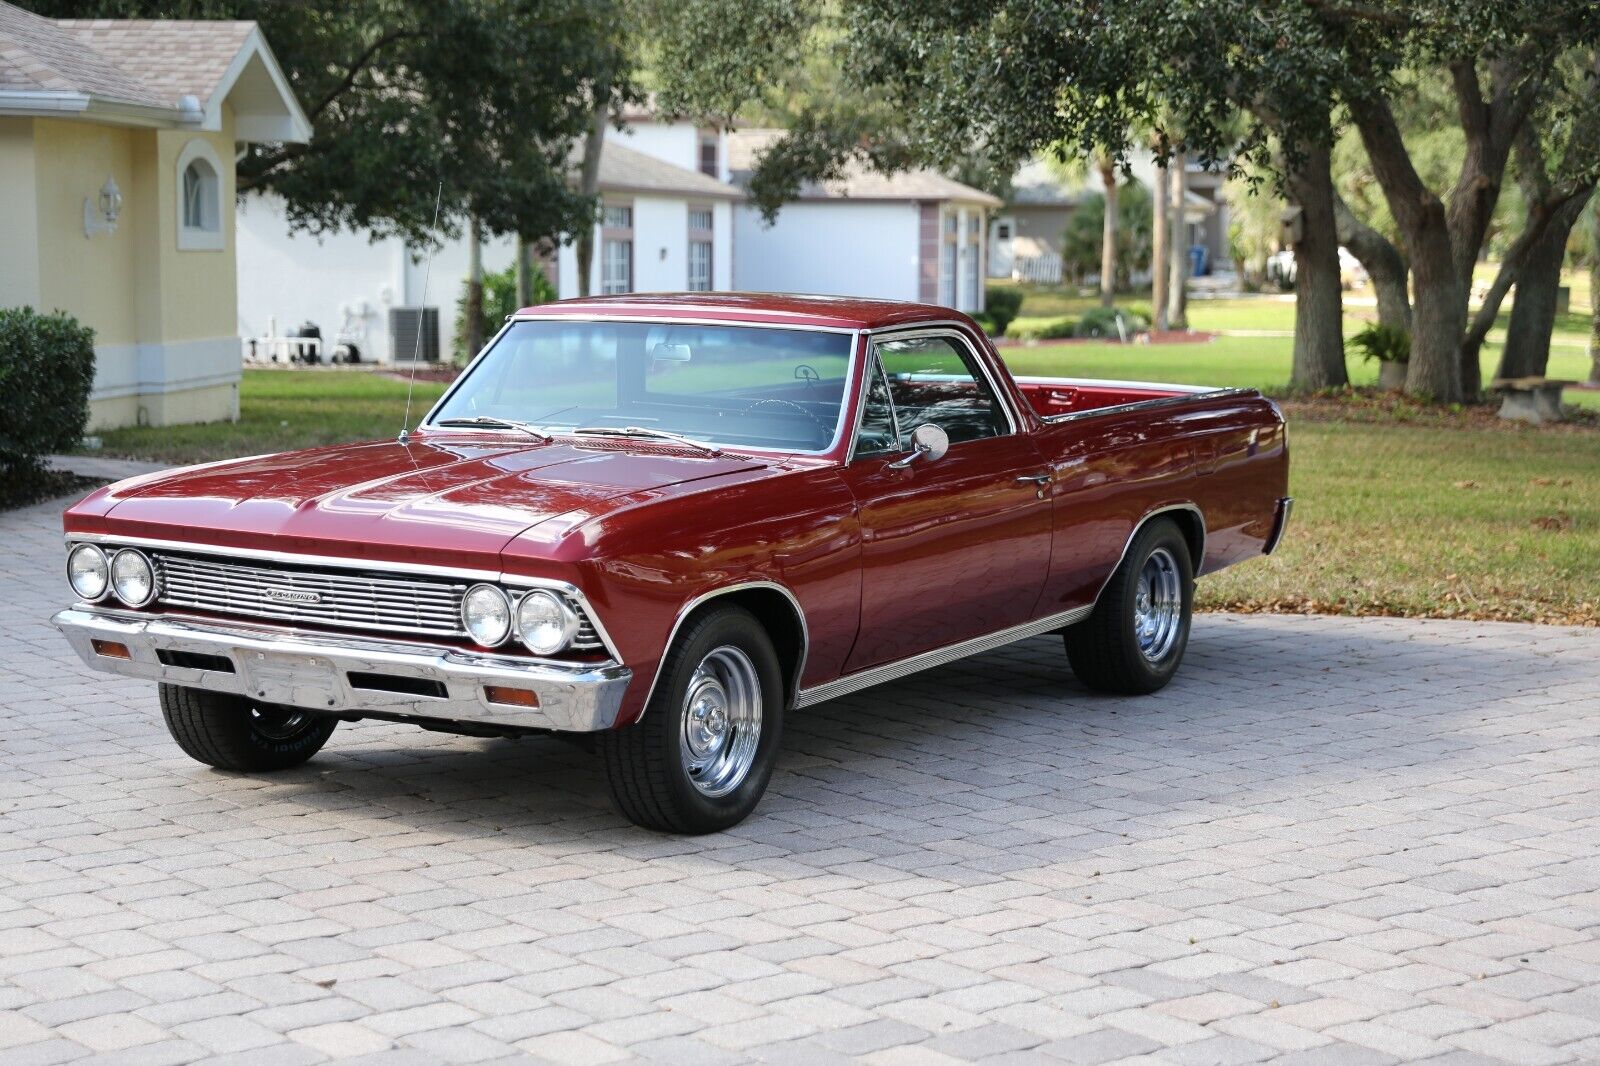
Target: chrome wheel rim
(720,726)
(1158,605)
(278,724)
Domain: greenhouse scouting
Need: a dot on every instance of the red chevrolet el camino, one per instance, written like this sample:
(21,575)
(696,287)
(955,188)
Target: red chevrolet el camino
(669,521)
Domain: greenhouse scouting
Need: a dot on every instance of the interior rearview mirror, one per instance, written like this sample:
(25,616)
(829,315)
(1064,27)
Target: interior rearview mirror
(670,353)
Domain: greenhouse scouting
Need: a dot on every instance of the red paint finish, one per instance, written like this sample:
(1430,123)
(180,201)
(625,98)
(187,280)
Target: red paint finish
(883,563)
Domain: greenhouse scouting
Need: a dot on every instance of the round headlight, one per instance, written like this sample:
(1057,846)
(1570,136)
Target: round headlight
(545,624)
(486,614)
(132,578)
(88,572)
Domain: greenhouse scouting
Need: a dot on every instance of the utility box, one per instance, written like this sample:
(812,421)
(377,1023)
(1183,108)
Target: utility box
(414,334)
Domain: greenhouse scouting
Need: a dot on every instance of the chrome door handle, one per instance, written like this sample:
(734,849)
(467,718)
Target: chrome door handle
(1040,483)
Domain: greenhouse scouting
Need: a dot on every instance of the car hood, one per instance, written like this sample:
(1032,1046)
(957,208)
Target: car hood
(448,502)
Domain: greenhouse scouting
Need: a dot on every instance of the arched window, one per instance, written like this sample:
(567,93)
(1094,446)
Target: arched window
(199,198)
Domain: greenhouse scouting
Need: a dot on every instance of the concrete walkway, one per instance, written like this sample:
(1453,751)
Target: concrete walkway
(1329,841)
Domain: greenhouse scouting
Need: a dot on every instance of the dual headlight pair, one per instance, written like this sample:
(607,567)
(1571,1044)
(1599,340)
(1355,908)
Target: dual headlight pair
(127,572)
(541,620)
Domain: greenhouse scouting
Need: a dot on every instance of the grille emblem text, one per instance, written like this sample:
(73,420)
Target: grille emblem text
(291,595)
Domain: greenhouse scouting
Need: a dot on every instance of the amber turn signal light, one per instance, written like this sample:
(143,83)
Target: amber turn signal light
(111,649)
(511,697)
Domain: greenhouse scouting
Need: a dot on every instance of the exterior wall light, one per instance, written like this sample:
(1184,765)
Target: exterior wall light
(110,207)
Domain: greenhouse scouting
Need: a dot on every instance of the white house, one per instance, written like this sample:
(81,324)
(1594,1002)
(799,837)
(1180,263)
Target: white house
(666,225)
(915,235)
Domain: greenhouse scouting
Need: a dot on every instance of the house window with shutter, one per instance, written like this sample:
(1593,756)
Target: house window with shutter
(700,239)
(710,163)
(616,249)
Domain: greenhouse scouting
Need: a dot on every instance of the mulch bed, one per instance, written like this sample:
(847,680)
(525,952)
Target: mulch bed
(1373,405)
(443,374)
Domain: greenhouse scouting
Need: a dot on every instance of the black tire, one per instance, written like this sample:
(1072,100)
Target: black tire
(235,733)
(645,762)
(1105,649)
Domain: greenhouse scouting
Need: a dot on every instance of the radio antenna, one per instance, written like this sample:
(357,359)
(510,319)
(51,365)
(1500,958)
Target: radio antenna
(422,318)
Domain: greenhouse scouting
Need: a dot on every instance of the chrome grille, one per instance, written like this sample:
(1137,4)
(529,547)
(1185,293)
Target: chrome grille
(353,599)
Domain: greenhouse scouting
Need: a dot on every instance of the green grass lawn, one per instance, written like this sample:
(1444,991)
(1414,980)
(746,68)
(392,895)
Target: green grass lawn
(282,410)
(1390,518)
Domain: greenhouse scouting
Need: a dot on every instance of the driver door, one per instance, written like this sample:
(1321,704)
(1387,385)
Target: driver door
(955,547)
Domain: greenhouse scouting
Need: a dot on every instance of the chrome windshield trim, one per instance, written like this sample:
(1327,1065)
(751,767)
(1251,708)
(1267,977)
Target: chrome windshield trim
(1149,405)
(426,422)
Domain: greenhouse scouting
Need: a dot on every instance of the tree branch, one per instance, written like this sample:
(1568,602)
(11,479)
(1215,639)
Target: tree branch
(356,68)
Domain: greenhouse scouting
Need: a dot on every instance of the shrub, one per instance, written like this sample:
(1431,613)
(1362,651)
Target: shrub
(1103,322)
(1386,344)
(1001,307)
(46,372)
(1038,329)
(499,300)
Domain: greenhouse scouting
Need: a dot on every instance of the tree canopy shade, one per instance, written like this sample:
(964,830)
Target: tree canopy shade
(1011,77)
(486,96)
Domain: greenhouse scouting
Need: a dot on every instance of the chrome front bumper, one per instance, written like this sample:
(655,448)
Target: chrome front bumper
(1280,524)
(319,671)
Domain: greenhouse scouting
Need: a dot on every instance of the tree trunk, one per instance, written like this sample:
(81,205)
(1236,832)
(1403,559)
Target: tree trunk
(474,288)
(1318,331)
(1533,313)
(1594,296)
(589,184)
(1159,240)
(1108,235)
(1383,264)
(1438,318)
(522,255)
(1178,250)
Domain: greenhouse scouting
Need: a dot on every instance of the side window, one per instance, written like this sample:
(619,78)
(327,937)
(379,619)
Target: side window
(877,434)
(934,379)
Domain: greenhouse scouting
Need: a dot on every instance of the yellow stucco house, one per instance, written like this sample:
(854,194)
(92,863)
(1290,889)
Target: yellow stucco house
(117,148)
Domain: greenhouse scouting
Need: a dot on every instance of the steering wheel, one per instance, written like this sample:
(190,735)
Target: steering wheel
(822,427)
(808,374)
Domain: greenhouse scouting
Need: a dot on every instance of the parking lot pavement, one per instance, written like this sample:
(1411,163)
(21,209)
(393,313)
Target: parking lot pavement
(1330,840)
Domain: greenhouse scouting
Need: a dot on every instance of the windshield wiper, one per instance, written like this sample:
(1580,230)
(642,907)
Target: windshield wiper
(496,423)
(655,434)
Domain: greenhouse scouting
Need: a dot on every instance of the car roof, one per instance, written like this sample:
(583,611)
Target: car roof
(831,312)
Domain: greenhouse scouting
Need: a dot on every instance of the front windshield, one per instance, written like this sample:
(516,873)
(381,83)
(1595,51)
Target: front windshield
(740,386)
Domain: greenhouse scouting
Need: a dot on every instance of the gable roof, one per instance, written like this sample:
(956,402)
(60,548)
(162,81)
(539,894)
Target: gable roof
(146,73)
(624,169)
(859,182)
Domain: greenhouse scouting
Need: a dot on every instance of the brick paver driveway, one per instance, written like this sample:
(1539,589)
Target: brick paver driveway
(1330,840)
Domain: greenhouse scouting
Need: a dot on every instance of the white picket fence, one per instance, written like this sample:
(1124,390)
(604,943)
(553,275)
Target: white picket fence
(1037,269)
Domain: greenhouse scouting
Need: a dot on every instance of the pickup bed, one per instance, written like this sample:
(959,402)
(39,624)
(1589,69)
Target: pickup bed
(666,522)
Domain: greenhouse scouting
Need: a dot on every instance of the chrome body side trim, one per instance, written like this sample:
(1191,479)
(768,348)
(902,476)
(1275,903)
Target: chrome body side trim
(706,597)
(313,671)
(1279,525)
(877,675)
(1147,405)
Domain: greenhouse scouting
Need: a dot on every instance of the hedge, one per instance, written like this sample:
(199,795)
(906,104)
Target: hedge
(46,371)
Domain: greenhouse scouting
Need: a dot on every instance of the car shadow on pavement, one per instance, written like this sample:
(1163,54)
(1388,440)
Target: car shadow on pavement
(1009,738)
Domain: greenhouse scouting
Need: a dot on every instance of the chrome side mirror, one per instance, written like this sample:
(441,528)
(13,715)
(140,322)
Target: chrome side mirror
(928,441)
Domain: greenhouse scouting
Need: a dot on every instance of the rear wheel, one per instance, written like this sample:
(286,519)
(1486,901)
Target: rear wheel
(1135,639)
(700,758)
(236,733)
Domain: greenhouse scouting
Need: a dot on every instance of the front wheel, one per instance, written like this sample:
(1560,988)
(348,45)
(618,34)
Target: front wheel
(699,759)
(236,733)
(1135,639)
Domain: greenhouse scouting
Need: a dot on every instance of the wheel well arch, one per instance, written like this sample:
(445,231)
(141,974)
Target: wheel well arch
(779,613)
(1191,522)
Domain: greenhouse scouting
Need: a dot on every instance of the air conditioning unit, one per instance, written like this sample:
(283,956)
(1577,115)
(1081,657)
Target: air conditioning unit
(404,325)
